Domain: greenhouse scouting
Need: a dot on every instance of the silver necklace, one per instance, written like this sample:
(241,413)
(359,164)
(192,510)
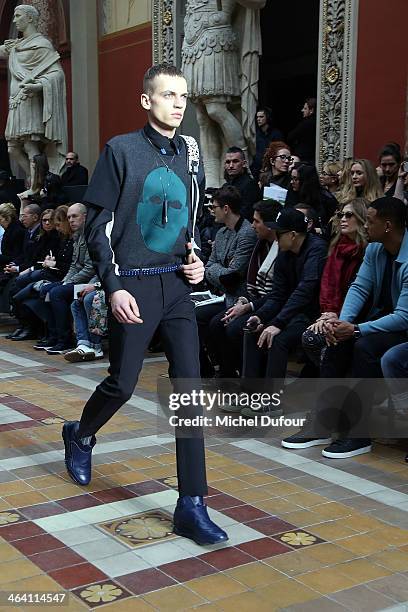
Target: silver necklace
(165,190)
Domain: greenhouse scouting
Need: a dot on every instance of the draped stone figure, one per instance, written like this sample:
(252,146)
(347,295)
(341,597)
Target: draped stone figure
(220,56)
(37,117)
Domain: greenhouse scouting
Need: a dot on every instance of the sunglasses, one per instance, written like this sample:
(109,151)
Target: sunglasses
(348,214)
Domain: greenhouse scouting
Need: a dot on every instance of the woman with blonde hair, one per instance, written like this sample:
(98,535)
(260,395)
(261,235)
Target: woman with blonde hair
(364,182)
(13,237)
(329,176)
(346,252)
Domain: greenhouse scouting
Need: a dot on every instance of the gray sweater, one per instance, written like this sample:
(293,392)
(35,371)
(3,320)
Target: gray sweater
(230,255)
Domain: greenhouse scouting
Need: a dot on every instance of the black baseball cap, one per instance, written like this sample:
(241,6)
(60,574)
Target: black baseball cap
(289,220)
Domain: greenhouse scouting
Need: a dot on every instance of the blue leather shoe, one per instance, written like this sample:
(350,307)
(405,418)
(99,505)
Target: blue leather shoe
(191,520)
(78,457)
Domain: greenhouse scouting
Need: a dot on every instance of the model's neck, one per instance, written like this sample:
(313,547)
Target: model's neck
(164,131)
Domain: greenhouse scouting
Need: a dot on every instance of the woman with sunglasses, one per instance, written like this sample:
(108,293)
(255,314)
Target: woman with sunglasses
(345,255)
(275,166)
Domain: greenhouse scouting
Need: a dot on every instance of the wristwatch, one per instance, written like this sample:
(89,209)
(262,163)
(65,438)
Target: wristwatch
(356,332)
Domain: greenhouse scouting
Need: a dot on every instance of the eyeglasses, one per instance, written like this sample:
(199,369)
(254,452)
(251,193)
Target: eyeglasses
(284,157)
(46,221)
(295,179)
(348,214)
(212,206)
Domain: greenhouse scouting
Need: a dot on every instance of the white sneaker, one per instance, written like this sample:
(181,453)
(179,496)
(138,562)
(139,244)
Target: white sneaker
(98,353)
(81,353)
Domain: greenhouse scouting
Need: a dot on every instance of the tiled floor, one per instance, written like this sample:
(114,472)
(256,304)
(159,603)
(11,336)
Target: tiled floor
(305,533)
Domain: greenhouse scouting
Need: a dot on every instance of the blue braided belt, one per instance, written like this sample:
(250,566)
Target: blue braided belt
(150,271)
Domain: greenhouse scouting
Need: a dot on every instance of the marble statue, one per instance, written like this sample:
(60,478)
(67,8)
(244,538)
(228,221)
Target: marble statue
(220,56)
(37,118)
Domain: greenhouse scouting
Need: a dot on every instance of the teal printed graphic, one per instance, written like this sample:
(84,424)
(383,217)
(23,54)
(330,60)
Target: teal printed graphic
(162,184)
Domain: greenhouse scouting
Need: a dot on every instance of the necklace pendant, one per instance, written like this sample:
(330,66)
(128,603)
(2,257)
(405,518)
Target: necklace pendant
(164,212)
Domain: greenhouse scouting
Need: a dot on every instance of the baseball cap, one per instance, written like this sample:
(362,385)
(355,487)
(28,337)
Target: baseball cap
(289,220)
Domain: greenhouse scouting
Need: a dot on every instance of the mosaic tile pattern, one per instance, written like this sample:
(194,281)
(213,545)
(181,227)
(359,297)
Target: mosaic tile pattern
(305,533)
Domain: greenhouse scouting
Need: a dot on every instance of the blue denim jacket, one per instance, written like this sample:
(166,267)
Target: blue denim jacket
(368,284)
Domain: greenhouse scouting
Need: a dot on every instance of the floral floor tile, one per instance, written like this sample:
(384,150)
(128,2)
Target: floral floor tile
(298,538)
(141,528)
(101,593)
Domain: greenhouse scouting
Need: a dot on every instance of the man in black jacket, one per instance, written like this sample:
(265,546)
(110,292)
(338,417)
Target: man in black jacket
(74,173)
(237,175)
(302,139)
(281,317)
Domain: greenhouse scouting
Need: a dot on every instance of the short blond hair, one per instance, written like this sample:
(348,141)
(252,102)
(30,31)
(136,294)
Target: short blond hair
(8,211)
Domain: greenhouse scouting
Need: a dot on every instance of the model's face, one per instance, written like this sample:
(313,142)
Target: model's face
(294,179)
(234,164)
(280,163)
(76,218)
(21,20)
(47,223)
(166,103)
(348,223)
(358,176)
(376,228)
(262,231)
(389,166)
(261,118)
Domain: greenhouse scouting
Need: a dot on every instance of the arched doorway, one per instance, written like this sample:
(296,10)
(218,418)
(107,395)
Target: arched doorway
(290,56)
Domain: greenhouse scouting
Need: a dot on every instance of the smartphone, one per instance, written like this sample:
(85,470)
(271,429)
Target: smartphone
(405,166)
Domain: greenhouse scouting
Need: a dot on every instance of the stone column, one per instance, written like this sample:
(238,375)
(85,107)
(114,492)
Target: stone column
(85,80)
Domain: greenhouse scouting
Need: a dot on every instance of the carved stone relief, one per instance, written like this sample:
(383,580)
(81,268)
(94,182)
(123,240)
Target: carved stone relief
(164,31)
(338,26)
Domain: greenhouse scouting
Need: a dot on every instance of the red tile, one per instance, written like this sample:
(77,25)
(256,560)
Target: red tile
(146,487)
(7,427)
(37,544)
(112,495)
(18,531)
(222,501)
(25,424)
(77,575)
(187,569)
(212,491)
(271,525)
(145,581)
(42,510)
(78,502)
(56,559)
(245,513)
(226,558)
(265,547)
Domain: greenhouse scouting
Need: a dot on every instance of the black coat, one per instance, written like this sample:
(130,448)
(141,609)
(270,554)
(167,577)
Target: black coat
(47,243)
(74,175)
(12,243)
(302,139)
(250,193)
(295,284)
(27,257)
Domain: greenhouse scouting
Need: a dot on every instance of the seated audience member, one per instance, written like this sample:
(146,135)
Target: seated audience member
(237,175)
(226,269)
(364,182)
(225,328)
(329,177)
(401,187)
(281,317)
(89,345)
(313,221)
(390,161)
(265,134)
(61,295)
(346,252)
(357,344)
(73,173)
(294,160)
(302,139)
(305,188)
(275,166)
(13,237)
(54,268)
(394,366)
(345,192)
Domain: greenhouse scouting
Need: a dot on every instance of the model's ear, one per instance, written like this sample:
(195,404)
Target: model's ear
(145,101)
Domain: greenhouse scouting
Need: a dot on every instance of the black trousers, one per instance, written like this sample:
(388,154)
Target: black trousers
(225,343)
(359,359)
(164,302)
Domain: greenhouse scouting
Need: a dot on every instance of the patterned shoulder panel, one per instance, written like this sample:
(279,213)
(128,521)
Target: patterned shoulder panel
(193,153)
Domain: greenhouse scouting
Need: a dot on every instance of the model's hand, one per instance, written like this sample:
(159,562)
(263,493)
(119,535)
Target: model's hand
(268,335)
(193,270)
(343,331)
(124,307)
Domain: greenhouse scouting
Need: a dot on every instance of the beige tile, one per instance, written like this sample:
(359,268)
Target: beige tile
(254,494)
(139,464)
(43,482)
(131,604)
(260,479)
(26,499)
(293,563)
(396,560)
(363,544)
(361,570)
(17,570)
(231,485)
(302,518)
(326,580)
(173,598)
(245,602)
(255,575)
(361,523)
(276,506)
(331,530)
(286,593)
(111,468)
(307,500)
(8,552)
(14,487)
(333,510)
(241,469)
(215,586)
(392,535)
(329,554)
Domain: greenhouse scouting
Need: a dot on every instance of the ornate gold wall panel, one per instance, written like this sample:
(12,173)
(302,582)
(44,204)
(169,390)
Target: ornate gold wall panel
(164,31)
